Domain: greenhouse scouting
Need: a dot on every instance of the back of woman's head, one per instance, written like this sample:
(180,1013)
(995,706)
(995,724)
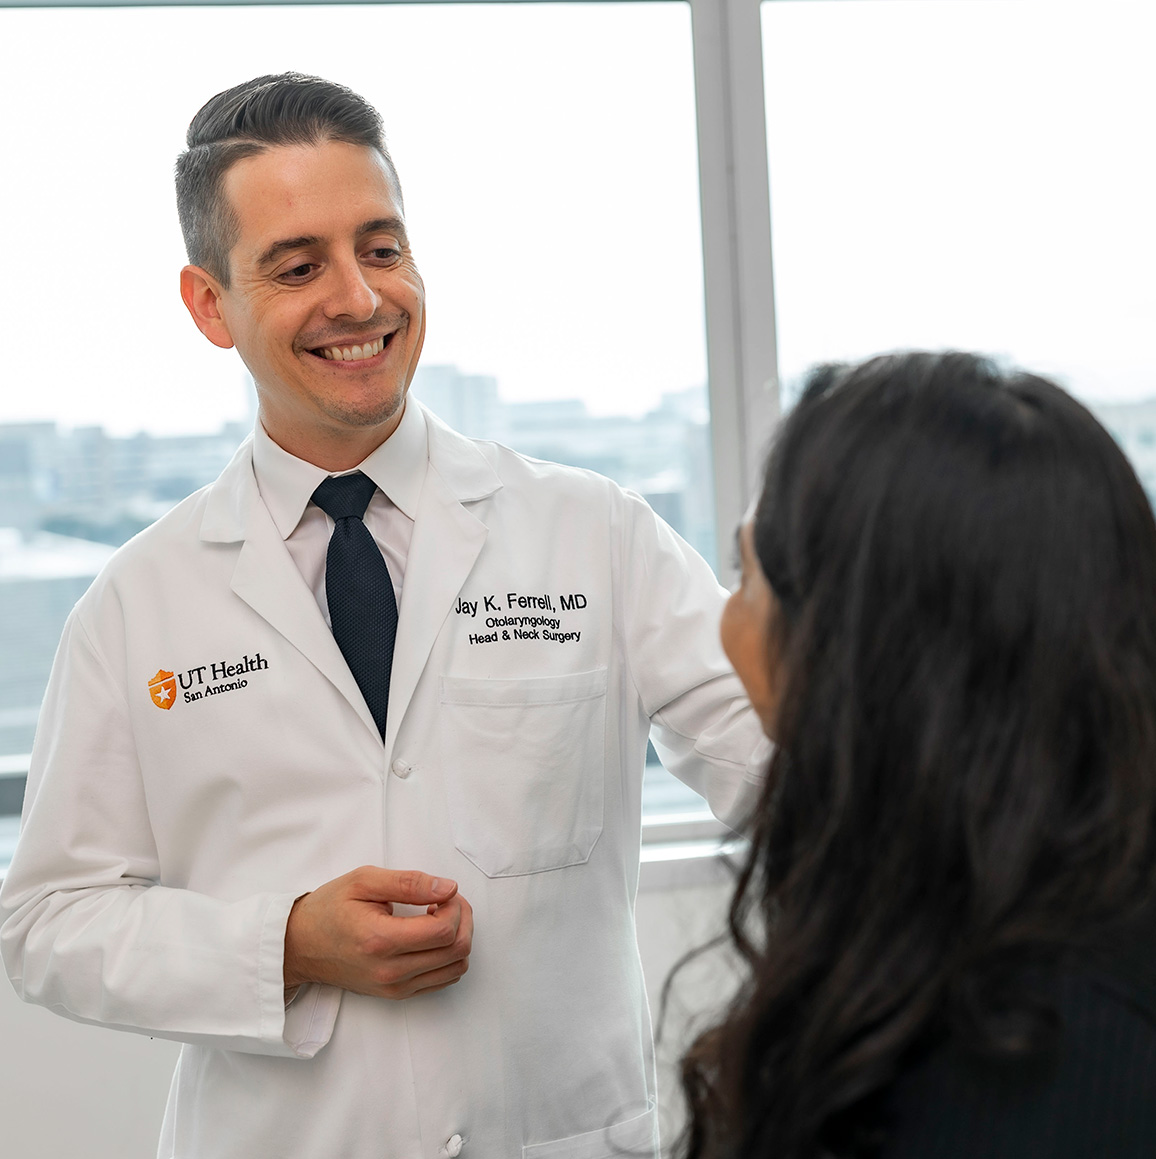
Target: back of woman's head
(964,569)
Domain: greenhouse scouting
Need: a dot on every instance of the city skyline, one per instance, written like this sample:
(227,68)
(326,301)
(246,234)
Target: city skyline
(70,467)
(69,497)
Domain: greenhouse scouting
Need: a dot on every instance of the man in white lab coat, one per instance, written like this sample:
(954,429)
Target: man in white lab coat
(208,775)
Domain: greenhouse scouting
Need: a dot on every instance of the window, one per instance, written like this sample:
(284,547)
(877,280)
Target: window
(970,174)
(548,156)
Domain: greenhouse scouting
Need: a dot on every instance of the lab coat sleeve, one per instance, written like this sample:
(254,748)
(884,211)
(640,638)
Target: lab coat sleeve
(702,725)
(88,930)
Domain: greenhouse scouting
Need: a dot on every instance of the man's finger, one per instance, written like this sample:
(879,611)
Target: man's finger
(435,933)
(439,979)
(408,886)
(433,978)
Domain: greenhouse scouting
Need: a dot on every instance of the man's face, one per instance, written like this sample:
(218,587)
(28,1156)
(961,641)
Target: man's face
(325,305)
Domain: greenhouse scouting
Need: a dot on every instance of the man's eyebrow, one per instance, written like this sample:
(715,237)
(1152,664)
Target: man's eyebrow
(392,225)
(384,225)
(270,255)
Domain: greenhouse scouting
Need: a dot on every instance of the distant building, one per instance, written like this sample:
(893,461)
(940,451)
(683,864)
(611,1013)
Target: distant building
(41,578)
(88,484)
(663,455)
(467,402)
(29,453)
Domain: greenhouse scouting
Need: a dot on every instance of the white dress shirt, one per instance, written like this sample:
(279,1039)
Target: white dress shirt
(287,484)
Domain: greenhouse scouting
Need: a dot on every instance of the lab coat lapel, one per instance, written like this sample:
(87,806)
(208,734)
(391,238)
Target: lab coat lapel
(267,579)
(447,539)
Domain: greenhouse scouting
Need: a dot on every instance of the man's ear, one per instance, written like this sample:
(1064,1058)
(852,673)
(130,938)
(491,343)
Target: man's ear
(202,297)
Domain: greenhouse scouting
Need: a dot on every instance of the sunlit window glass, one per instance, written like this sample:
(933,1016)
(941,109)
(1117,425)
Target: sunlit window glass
(548,159)
(973,174)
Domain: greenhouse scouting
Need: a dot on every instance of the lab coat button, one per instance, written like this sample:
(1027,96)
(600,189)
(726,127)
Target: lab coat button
(453,1146)
(403,769)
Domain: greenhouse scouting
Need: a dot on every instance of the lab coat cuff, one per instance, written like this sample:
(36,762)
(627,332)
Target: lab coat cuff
(740,817)
(756,769)
(306,1024)
(309,1019)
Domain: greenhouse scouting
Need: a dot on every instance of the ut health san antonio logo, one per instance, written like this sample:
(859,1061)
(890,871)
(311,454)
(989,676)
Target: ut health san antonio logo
(163,689)
(194,685)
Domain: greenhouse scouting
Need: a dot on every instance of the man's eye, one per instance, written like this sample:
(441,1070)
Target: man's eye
(385,254)
(299,272)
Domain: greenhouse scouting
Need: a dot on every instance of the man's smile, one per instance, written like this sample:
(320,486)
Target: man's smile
(353,353)
(359,350)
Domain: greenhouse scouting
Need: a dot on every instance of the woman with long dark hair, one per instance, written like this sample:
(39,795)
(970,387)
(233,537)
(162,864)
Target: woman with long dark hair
(947,621)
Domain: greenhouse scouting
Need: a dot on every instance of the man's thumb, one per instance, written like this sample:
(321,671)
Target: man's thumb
(412,887)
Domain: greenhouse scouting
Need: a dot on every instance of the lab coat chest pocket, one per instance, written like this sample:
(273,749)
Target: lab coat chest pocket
(524,764)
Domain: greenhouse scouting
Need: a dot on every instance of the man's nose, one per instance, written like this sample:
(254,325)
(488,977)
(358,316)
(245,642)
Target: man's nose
(350,294)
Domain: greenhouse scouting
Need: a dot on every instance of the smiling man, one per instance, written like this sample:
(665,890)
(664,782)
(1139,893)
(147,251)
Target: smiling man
(330,324)
(375,684)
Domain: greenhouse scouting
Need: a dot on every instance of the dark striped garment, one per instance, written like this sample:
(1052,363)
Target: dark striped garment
(1093,1098)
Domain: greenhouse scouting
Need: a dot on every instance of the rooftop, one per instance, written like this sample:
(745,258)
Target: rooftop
(45,555)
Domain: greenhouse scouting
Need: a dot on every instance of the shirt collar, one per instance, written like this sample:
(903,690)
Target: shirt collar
(287,483)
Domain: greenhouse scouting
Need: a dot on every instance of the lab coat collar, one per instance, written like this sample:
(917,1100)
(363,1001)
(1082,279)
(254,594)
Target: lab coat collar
(447,540)
(460,463)
(230,498)
(287,483)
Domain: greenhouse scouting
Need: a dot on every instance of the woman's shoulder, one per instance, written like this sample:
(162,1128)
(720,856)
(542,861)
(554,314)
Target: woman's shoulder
(1094,1094)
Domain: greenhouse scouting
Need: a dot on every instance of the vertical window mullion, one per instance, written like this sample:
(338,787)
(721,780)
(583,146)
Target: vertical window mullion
(740,306)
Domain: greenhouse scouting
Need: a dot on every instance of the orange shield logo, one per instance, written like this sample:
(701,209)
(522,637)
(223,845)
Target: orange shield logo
(163,689)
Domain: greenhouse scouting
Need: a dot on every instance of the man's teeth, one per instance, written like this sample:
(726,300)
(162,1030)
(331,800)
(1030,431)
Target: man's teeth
(352,353)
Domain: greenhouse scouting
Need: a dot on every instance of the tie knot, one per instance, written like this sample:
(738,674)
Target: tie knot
(343,496)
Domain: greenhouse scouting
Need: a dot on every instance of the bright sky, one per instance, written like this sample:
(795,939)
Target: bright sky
(968,173)
(547,154)
(972,173)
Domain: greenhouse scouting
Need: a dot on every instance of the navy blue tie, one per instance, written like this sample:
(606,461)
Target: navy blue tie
(362,607)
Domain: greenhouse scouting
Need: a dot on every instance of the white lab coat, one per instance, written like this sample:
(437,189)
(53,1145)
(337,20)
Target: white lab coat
(163,846)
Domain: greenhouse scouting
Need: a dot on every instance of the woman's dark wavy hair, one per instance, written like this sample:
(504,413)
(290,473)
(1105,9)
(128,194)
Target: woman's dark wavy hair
(965,783)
